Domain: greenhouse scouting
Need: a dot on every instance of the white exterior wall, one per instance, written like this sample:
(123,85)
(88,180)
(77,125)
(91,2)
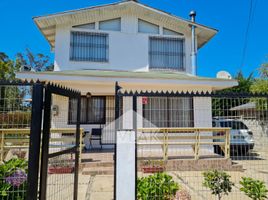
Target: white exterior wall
(128,49)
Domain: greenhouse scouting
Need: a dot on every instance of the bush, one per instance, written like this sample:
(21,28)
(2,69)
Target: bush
(254,189)
(13,179)
(157,186)
(15,119)
(218,182)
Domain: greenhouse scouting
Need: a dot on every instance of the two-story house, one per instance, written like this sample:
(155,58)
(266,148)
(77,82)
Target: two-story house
(141,47)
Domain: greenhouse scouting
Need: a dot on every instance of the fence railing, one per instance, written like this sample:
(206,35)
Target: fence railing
(166,137)
(20,138)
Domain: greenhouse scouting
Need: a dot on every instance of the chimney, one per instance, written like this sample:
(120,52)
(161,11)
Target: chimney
(194,48)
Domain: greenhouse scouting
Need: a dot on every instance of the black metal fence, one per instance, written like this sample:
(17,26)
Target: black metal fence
(182,137)
(26,111)
(60,159)
(15,114)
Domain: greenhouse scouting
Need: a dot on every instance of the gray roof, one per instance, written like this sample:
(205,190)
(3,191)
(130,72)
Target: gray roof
(247,106)
(129,74)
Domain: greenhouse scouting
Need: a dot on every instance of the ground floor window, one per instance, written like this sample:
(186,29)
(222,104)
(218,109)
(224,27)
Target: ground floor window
(168,112)
(92,110)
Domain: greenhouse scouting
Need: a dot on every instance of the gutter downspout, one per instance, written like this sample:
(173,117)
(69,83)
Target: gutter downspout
(193,48)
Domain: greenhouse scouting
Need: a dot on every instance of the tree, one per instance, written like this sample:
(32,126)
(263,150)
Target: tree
(264,71)
(39,62)
(7,67)
(11,96)
(218,182)
(222,106)
(261,84)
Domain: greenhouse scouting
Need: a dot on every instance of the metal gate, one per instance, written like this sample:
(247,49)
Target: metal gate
(185,135)
(39,152)
(60,158)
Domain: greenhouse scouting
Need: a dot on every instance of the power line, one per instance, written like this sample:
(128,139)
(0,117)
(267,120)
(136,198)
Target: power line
(252,9)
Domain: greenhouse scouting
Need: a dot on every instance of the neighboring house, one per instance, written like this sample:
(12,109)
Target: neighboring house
(140,47)
(254,115)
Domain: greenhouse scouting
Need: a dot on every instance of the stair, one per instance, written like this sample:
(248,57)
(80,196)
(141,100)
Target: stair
(98,168)
(199,165)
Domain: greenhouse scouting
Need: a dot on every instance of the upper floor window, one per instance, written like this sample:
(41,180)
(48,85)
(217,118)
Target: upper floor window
(86,46)
(90,26)
(166,53)
(110,25)
(147,27)
(170,32)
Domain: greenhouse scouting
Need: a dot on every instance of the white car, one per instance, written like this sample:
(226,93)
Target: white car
(241,138)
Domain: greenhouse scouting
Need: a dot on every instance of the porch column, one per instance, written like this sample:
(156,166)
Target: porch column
(125,165)
(127,113)
(203,115)
(202,112)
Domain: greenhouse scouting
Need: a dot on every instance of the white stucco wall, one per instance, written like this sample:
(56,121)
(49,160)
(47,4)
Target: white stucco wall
(202,112)
(128,49)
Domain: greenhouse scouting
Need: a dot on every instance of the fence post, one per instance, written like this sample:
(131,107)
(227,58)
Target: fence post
(45,143)
(77,150)
(35,140)
(117,115)
(134,104)
(126,166)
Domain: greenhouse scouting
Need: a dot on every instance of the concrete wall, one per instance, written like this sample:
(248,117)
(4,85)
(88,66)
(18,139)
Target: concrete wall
(128,49)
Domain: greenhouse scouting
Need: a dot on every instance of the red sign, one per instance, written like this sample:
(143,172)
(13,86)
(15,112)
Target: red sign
(144,100)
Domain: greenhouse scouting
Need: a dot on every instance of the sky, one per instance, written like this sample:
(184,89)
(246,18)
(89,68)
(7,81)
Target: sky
(223,52)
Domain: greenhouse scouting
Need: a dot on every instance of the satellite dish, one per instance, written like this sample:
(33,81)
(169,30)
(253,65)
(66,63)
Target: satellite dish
(224,75)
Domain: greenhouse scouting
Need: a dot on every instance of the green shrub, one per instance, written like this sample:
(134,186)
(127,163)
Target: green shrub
(254,189)
(13,179)
(157,186)
(16,119)
(218,182)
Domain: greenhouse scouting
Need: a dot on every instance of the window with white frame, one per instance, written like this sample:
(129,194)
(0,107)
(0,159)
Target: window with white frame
(168,112)
(171,32)
(87,46)
(110,25)
(166,53)
(147,27)
(90,26)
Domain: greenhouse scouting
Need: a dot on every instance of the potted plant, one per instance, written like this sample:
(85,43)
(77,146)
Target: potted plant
(218,182)
(157,186)
(60,166)
(152,167)
(254,189)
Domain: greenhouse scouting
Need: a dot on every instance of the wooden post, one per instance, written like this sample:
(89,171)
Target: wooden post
(81,148)
(165,145)
(2,145)
(197,145)
(227,144)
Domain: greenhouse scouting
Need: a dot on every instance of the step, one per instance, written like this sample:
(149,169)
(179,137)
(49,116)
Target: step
(98,171)
(97,164)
